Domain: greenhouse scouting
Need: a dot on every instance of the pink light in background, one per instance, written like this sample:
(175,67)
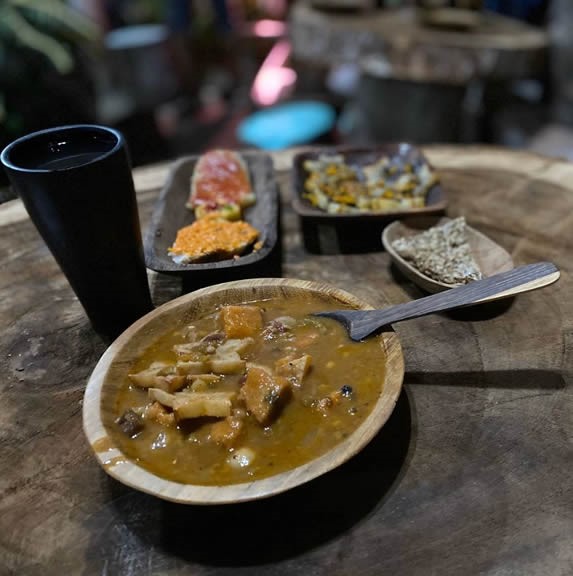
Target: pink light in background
(269,28)
(278,55)
(271,84)
(273,79)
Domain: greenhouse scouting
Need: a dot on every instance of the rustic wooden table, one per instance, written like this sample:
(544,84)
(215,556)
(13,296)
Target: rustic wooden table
(471,475)
(498,47)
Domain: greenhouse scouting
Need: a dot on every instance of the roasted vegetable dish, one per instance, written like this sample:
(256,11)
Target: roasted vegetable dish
(390,184)
(246,392)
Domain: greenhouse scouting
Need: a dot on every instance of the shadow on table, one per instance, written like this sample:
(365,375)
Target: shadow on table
(502,379)
(280,527)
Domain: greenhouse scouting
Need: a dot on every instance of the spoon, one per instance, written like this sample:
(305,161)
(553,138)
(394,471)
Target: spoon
(363,323)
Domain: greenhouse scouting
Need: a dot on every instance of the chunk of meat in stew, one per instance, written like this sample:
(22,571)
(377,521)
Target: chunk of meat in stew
(264,393)
(130,423)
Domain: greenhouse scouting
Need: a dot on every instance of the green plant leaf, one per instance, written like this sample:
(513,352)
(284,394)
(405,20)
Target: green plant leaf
(14,24)
(61,14)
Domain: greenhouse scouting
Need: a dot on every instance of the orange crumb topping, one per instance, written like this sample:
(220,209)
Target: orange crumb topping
(213,236)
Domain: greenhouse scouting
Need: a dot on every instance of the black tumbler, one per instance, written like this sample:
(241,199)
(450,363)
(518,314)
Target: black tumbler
(76,184)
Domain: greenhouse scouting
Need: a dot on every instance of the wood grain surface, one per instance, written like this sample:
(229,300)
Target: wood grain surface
(470,475)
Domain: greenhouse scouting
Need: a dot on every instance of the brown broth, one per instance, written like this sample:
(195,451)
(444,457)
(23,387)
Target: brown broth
(299,434)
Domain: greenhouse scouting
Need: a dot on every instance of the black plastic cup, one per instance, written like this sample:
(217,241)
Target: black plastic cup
(76,184)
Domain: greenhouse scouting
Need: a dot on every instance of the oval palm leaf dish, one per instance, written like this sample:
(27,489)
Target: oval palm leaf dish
(110,372)
(489,256)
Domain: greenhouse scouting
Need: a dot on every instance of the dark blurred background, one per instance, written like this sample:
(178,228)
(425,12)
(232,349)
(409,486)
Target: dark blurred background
(180,76)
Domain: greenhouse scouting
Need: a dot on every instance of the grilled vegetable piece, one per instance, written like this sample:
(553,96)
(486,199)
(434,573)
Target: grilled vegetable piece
(264,393)
(198,404)
(241,321)
(220,178)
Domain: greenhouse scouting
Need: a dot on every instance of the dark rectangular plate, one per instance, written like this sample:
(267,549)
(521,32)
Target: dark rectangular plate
(170,214)
(348,233)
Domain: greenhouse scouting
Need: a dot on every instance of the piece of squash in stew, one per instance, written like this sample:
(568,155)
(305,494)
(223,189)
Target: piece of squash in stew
(241,321)
(264,393)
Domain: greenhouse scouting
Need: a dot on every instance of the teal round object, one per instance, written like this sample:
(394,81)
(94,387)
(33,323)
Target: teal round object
(287,125)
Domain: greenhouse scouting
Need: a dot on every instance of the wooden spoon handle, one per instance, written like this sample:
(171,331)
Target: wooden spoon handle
(521,279)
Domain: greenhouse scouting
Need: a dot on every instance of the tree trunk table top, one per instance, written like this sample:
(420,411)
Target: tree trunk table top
(471,474)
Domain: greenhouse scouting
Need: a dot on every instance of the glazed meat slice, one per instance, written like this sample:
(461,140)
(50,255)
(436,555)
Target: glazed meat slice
(220,178)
